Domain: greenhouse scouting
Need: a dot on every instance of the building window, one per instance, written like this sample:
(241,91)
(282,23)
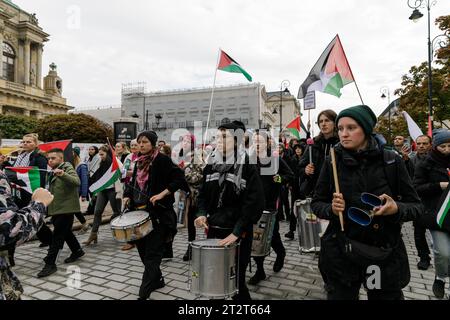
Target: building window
(8,62)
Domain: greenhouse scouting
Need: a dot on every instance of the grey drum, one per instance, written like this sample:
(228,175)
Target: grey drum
(262,234)
(309,226)
(213,271)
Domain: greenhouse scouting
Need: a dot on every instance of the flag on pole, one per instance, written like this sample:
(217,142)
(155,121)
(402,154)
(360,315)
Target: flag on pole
(294,127)
(65,145)
(413,128)
(443,216)
(27,178)
(227,64)
(109,177)
(430,128)
(330,73)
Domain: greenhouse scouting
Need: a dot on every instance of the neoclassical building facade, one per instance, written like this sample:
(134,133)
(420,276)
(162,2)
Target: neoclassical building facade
(22,91)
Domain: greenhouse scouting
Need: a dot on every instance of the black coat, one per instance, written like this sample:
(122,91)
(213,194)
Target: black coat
(358,173)
(164,174)
(320,149)
(239,211)
(427,177)
(272,189)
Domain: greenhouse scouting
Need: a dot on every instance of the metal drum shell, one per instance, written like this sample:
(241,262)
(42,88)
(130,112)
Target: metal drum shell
(213,269)
(132,232)
(262,234)
(309,226)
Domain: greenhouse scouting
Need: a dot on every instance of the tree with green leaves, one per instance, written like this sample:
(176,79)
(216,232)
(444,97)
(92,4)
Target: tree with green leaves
(80,128)
(414,91)
(15,127)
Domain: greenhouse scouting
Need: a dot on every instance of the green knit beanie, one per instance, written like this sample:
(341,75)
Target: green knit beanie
(361,114)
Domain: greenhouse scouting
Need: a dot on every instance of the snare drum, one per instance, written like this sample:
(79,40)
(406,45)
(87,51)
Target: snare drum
(262,234)
(131,226)
(213,271)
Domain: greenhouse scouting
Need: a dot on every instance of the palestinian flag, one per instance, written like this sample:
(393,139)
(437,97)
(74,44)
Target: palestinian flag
(65,145)
(294,127)
(109,177)
(330,73)
(229,65)
(443,216)
(27,178)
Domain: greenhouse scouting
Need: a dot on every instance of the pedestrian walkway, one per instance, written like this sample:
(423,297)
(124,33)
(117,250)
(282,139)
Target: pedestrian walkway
(109,273)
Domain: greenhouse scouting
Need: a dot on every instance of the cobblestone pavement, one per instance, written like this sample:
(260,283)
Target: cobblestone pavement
(109,273)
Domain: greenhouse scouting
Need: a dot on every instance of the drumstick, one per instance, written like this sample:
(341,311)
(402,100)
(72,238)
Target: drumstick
(336,184)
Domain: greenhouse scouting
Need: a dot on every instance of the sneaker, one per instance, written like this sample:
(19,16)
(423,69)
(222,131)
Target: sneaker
(127,246)
(259,276)
(74,256)
(439,288)
(48,270)
(289,235)
(423,264)
(279,262)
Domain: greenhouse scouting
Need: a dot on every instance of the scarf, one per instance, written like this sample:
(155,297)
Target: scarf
(441,159)
(143,164)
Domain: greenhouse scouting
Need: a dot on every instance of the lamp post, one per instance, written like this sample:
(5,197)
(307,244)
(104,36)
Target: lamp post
(158,118)
(415,16)
(283,90)
(386,93)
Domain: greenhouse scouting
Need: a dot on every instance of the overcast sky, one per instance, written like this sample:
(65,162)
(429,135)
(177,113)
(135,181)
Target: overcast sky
(98,45)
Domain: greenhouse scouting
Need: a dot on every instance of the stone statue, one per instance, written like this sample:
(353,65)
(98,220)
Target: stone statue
(32,76)
(33,19)
(53,66)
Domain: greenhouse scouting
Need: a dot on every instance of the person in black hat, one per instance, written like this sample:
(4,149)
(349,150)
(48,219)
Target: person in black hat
(231,197)
(370,253)
(153,184)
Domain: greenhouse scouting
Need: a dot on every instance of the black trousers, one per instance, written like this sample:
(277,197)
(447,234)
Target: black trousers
(80,217)
(284,203)
(91,206)
(337,291)
(192,232)
(295,195)
(245,250)
(62,233)
(420,240)
(276,244)
(151,249)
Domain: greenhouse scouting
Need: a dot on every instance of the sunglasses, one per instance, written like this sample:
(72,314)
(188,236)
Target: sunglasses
(363,217)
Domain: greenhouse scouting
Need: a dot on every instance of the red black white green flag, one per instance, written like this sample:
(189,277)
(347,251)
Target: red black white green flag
(294,127)
(330,73)
(65,145)
(109,177)
(27,178)
(443,215)
(228,64)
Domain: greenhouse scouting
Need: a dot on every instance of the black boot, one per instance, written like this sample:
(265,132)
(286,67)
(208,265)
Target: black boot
(423,264)
(279,262)
(48,270)
(259,276)
(439,288)
(289,235)
(74,256)
(188,255)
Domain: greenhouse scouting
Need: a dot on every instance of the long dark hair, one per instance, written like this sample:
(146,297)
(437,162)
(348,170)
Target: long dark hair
(96,152)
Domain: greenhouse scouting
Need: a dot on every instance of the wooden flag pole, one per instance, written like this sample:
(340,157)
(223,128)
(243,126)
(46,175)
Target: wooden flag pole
(211,101)
(336,184)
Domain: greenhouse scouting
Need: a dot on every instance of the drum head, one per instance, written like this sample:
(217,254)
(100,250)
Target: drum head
(130,218)
(212,243)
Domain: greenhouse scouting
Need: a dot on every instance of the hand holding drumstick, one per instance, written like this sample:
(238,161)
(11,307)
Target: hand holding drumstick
(201,222)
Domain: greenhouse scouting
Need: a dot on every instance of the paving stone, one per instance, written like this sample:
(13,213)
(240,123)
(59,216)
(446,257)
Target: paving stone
(88,296)
(95,280)
(43,295)
(114,294)
(115,285)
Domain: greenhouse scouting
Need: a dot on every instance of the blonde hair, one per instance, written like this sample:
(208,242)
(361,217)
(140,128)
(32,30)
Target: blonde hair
(76,160)
(33,136)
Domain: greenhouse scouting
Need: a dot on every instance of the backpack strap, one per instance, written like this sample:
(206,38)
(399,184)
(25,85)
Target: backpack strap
(391,170)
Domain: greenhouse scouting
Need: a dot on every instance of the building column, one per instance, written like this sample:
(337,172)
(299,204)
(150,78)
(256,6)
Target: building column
(27,61)
(1,55)
(40,48)
(26,113)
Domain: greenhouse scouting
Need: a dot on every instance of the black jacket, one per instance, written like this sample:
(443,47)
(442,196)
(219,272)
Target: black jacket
(427,176)
(164,174)
(365,172)
(238,211)
(320,149)
(271,188)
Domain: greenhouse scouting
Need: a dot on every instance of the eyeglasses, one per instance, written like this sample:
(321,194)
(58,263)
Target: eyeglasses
(363,217)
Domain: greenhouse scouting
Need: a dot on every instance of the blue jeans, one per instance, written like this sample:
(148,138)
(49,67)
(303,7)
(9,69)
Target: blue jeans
(441,249)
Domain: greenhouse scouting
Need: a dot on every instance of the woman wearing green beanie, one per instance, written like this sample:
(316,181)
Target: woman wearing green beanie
(369,252)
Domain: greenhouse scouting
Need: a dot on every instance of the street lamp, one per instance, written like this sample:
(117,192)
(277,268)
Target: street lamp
(386,93)
(415,16)
(283,90)
(158,118)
